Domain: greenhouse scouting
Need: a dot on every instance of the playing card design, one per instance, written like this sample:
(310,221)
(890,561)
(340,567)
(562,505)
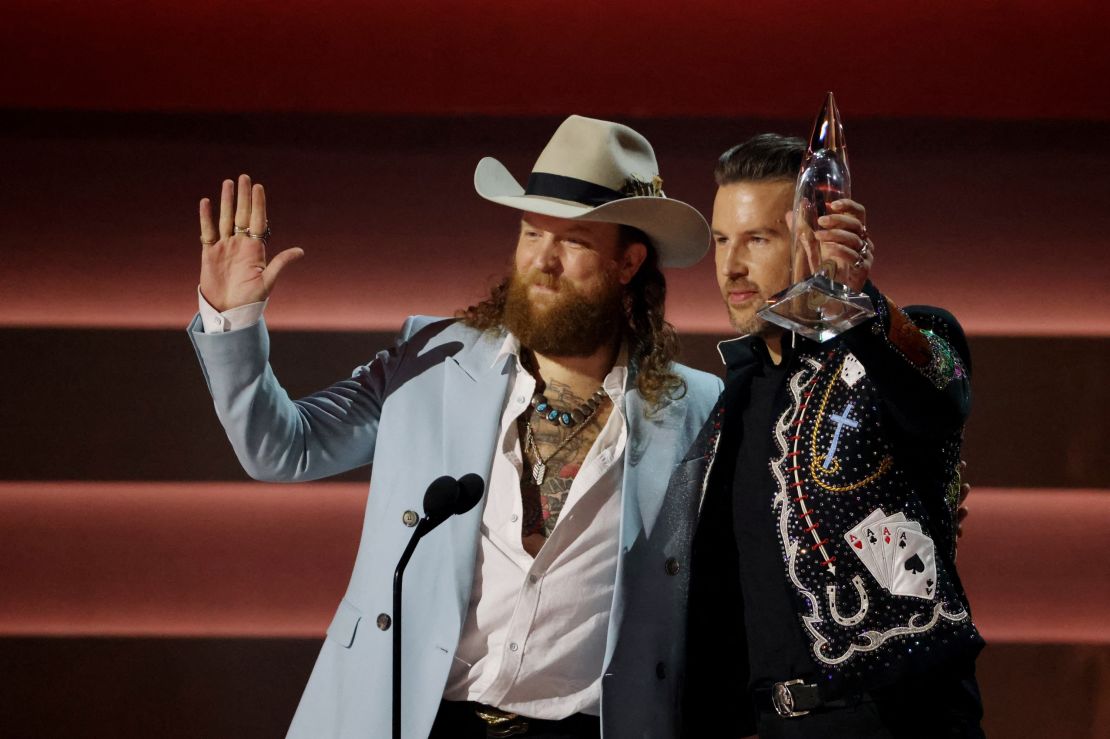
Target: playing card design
(871,536)
(896,553)
(892,606)
(891,538)
(852,370)
(914,568)
(858,540)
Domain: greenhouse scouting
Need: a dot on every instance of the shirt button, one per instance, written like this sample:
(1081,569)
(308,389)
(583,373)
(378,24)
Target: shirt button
(514,518)
(410,518)
(672,566)
(384,621)
(520,398)
(533,579)
(513,646)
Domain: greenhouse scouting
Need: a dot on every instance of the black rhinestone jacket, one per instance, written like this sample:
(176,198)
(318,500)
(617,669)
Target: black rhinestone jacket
(872,420)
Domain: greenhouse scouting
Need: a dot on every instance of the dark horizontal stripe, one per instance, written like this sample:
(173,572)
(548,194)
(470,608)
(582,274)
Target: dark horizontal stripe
(249,688)
(131,404)
(440,134)
(142,688)
(544,184)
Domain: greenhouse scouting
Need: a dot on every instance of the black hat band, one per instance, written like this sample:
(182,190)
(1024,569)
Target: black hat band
(544,184)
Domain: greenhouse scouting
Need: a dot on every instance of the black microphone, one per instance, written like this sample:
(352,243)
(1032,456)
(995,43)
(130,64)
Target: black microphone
(439,504)
(444,498)
(471,487)
(447,497)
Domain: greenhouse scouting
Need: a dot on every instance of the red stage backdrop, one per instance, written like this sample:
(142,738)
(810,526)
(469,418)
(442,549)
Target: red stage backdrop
(1022,59)
(150,590)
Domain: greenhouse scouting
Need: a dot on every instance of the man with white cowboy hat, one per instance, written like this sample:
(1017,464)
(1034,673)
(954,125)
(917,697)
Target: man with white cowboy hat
(551,609)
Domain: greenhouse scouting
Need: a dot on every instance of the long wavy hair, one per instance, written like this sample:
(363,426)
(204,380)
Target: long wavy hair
(652,342)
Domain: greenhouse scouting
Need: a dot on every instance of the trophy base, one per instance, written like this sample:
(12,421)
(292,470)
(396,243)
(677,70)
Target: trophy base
(818,308)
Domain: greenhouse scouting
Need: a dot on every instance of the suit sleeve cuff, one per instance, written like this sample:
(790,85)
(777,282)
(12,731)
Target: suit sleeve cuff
(242,316)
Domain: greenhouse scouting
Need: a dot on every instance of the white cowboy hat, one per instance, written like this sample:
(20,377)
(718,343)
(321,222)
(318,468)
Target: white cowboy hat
(601,171)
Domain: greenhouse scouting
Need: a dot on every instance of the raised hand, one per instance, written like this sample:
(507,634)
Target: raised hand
(233,267)
(844,240)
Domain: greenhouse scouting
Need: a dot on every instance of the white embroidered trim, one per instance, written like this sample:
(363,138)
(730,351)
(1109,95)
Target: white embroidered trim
(784,424)
(873,639)
(876,639)
(830,590)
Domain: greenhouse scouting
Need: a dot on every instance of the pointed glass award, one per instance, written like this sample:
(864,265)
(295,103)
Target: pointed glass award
(817,306)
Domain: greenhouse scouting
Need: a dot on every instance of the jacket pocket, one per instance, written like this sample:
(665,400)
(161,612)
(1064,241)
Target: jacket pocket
(344,625)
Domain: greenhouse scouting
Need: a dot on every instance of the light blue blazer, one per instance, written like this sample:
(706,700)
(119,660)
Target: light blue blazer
(431,406)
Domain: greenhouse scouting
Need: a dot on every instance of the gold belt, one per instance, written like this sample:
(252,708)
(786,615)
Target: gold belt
(500,723)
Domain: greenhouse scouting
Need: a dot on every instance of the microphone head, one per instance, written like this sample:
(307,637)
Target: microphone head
(441,497)
(471,487)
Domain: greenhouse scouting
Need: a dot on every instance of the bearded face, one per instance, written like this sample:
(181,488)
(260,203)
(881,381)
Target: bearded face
(554,317)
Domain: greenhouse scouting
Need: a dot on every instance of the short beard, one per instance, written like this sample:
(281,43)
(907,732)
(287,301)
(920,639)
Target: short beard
(751,325)
(574,325)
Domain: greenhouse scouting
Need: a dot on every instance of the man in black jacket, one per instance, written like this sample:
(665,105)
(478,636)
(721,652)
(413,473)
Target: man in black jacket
(824,599)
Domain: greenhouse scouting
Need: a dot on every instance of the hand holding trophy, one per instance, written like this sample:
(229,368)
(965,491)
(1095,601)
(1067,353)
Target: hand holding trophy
(820,304)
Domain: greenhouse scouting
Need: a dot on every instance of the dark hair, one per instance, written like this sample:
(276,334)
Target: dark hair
(652,342)
(767,156)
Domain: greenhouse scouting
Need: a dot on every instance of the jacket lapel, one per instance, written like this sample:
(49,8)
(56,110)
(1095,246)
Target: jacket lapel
(647,470)
(647,466)
(474,390)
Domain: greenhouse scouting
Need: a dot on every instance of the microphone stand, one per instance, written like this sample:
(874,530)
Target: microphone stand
(444,498)
(398,576)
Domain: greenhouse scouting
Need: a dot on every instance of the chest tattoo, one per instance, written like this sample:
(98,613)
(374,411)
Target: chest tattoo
(561,452)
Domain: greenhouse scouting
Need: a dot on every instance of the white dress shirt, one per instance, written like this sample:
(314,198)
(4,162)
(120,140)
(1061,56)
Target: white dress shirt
(534,638)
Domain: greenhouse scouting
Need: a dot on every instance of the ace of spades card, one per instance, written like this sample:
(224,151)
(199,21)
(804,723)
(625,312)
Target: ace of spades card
(913,570)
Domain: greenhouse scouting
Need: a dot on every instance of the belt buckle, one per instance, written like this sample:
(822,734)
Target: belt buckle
(783,699)
(501,724)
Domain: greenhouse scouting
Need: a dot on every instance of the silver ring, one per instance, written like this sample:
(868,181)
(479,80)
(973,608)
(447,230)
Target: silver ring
(263,237)
(241,230)
(863,251)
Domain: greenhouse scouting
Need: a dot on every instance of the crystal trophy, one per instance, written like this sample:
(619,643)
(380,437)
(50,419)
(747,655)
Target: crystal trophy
(817,306)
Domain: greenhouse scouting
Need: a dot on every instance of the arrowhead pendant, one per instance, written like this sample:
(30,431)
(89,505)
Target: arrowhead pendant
(539,469)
